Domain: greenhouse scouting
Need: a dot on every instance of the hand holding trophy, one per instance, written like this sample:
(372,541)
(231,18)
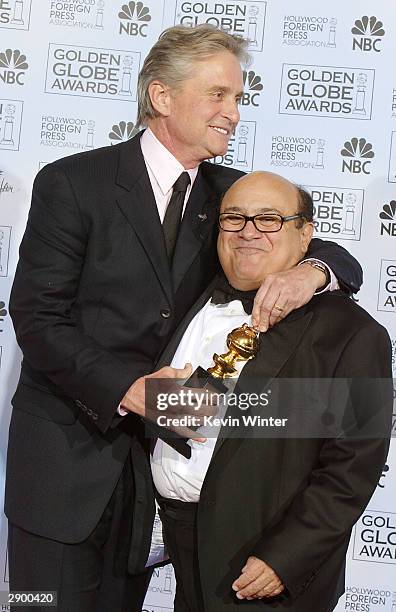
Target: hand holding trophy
(183,409)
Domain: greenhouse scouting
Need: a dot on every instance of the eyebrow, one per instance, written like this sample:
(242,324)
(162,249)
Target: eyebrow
(263,209)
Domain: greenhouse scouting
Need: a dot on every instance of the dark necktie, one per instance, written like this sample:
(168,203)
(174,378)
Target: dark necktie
(174,213)
(223,293)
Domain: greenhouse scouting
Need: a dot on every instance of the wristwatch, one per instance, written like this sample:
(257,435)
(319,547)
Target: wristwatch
(322,268)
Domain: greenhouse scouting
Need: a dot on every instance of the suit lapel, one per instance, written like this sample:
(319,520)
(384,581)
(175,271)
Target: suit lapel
(276,347)
(170,350)
(137,203)
(198,221)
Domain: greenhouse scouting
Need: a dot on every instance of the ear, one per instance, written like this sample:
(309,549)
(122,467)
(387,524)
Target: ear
(306,236)
(160,97)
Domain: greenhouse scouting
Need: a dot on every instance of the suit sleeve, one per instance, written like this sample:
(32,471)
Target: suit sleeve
(320,517)
(345,267)
(44,292)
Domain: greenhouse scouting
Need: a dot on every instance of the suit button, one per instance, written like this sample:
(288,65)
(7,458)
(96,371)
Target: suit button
(165,313)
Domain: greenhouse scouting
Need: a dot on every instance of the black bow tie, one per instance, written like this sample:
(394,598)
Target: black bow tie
(224,293)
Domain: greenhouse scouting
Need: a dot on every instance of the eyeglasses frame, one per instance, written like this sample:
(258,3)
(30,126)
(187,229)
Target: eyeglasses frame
(252,219)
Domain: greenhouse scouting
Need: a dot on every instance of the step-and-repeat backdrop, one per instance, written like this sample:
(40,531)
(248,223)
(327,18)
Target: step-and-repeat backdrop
(319,108)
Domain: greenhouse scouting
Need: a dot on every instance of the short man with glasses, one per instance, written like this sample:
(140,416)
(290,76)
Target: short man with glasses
(255,521)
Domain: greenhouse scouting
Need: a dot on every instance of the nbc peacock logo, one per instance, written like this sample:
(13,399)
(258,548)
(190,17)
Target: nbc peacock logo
(253,87)
(368,33)
(134,19)
(389,211)
(357,154)
(388,218)
(122,131)
(13,66)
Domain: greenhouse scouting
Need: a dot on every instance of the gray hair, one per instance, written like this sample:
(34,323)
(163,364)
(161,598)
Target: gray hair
(170,59)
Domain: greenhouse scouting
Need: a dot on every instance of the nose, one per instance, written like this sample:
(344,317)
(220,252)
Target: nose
(231,110)
(250,232)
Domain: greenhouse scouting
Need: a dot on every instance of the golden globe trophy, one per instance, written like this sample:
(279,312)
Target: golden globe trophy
(242,344)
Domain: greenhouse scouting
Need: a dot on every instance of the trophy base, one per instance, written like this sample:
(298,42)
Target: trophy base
(201,379)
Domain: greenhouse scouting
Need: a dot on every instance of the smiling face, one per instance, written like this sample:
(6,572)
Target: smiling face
(248,256)
(197,118)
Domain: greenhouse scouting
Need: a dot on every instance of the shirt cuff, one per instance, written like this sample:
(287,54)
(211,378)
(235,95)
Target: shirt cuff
(121,411)
(333,285)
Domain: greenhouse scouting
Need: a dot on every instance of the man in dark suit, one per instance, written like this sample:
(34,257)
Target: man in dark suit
(262,521)
(107,270)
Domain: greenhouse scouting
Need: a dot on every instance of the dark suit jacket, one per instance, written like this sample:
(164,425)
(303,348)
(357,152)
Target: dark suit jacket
(293,501)
(93,304)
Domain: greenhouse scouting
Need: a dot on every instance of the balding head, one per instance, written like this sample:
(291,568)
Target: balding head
(249,255)
(263,180)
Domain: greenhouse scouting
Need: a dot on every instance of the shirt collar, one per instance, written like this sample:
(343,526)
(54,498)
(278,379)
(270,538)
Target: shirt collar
(165,168)
(235,307)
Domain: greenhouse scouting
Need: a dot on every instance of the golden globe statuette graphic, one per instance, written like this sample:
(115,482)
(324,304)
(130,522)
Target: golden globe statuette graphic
(99,15)
(320,154)
(17,17)
(360,96)
(349,219)
(332,33)
(90,135)
(252,27)
(242,344)
(8,128)
(242,145)
(1,251)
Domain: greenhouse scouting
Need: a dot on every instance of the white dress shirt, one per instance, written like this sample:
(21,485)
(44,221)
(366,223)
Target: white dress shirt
(174,475)
(163,170)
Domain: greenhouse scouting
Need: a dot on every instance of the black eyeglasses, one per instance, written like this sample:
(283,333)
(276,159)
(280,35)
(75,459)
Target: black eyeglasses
(264,222)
